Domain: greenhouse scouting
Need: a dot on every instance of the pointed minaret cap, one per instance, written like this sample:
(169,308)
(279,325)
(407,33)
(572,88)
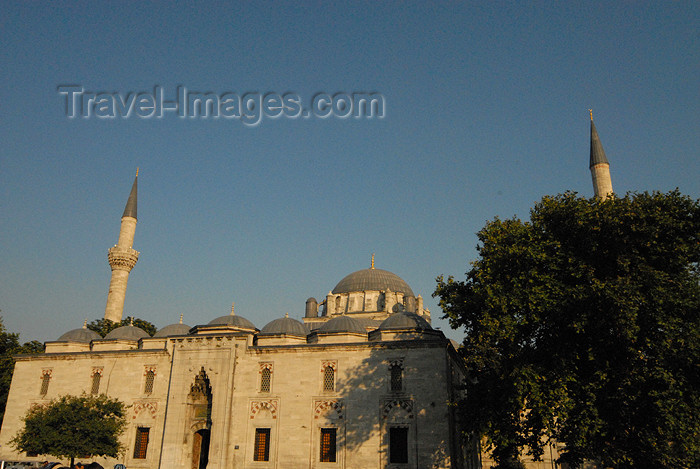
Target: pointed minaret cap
(597,152)
(130,209)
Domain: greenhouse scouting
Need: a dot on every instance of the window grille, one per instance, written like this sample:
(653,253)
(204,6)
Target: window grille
(150,377)
(95,389)
(45,378)
(261,452)
(398,445)
(328,444)
(265,379)
(141,444)
(328,378)
(396,378)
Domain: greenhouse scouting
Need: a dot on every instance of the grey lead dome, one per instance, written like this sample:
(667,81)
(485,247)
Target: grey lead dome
(286,326)
(373,279)
(232,320)
(83,335)
(404,320)
(127,333)
(343,324)
(172,330)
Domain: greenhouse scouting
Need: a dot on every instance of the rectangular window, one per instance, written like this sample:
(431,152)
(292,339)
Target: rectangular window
(45,378)
(398,445)
(141,444)
(261,452)
(95,389)
(328,444)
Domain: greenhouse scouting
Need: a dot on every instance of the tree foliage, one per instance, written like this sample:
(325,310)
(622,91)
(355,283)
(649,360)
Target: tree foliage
(583,326)
(10,346)
(74,426)
(105,326)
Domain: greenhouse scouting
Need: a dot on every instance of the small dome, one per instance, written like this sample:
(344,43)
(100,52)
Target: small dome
(287,326)
(83,335)
(173,329)
(404,320)
(373,279)
(342,324)
(232,320)
(127,333)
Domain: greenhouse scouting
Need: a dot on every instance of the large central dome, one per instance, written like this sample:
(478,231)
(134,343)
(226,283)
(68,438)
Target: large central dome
(373,279)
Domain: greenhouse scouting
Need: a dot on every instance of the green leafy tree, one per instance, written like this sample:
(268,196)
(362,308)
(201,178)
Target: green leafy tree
(74,426)
(105,326)
(10,346)
(583,326)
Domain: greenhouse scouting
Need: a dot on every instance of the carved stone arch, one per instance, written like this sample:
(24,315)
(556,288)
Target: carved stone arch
(331,409)
(270,405)
(198,426)
(406,405)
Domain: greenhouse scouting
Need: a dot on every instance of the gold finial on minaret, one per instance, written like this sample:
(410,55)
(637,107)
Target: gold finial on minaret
(181,315)
(233,305)
(137,171)
(372,265)
(591,111)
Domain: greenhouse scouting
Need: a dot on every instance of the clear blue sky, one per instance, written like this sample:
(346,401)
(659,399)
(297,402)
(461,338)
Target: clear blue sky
(486,112)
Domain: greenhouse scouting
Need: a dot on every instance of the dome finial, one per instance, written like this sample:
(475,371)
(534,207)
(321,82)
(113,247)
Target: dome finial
(286,315)
(85,324)
(181,315)
(131,321)
(233,305)
(372,265)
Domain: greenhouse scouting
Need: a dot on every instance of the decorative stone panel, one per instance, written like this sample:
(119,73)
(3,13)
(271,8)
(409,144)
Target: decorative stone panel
(269,404)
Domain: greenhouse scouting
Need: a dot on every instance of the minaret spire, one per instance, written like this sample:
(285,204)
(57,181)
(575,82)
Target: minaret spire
(599,165)
(122,258)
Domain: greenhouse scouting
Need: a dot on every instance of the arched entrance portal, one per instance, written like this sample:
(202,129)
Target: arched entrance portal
(199,420)
(200,449)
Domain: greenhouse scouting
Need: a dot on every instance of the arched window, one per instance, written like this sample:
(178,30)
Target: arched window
(396,377)
(96,377)
(265,380)
(150,377)
(45,379)
(328,378)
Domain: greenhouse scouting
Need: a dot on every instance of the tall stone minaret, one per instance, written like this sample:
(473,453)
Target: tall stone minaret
(122,258)
(600,168)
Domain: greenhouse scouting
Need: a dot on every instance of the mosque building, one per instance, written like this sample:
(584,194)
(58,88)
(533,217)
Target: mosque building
(362,381)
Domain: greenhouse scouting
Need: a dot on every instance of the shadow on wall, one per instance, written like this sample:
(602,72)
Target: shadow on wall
(396,398)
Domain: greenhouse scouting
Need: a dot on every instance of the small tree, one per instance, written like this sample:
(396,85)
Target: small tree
(74,426)
(105,326)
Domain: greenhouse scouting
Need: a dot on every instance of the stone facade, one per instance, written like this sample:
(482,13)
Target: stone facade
(219,386)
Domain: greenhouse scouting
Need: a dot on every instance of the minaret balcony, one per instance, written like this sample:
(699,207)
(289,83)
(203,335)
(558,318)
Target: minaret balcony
(122,258)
